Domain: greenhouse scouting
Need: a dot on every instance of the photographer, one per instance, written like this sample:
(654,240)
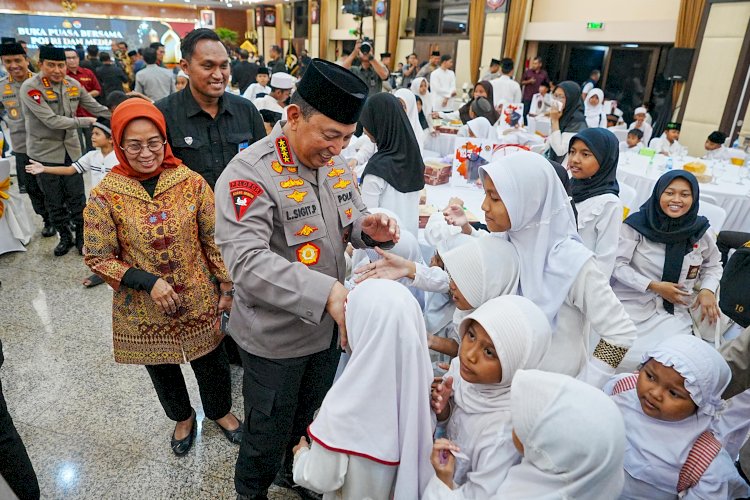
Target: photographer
(371,71)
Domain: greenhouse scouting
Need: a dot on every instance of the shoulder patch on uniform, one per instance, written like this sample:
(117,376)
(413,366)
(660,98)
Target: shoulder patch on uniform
(36,95)
(308,254)
(341,184)
(243,193)
(282,148)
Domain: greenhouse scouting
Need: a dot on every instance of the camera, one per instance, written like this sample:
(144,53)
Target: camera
(366,46)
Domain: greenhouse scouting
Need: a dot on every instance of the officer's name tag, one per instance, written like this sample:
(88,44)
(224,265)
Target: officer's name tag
(301,212)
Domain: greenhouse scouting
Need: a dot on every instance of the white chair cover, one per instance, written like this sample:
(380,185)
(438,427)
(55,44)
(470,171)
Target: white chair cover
(15,227)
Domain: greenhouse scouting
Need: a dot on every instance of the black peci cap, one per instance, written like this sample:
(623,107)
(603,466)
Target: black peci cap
(717,137)
(674,126)
(494,62)
(11,49)
(333,90)
(51,53)
(263,71)
(435,53)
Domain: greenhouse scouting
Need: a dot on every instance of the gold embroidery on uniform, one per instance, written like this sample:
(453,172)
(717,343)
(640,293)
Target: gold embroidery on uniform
(276,166)
(336,172)
(306,230)
(297,196)
(292,182)
(610,354)
(341,184)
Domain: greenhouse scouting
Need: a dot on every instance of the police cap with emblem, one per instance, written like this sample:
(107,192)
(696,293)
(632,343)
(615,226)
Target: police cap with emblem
(12,49)
(333,90)
(51,53)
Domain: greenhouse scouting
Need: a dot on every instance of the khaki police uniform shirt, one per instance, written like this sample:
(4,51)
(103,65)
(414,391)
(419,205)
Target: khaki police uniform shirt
(282,229)
(50,113)
(10,98)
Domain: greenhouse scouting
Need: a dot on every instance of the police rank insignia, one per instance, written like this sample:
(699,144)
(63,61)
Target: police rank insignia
(341,184)
(282,148)
(306,230)
(243,194)
(336,172)
(292,182)
(297,196)
(308,254)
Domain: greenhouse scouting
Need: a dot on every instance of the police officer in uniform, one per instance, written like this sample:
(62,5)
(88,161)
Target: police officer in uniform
(16,61)
(50,100)
(285,209)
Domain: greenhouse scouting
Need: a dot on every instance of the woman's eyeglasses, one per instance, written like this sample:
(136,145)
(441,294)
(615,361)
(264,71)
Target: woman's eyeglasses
(135,148)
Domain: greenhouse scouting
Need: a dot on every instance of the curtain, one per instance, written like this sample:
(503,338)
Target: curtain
(514,27)
(688,23)
(394,27)
(323,30)
(476,37)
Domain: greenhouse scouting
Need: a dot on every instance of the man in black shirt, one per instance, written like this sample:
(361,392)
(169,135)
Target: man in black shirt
(276,64)
(92,59)
(110,76)
(244,72)
(207,126)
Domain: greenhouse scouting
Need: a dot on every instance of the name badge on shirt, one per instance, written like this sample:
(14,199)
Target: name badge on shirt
(243,145)
(693,272)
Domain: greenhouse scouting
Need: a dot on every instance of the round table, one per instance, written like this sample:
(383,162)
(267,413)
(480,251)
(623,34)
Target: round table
(443,144)
(640,173)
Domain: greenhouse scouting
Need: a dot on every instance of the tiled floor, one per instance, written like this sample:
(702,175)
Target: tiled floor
(94,429)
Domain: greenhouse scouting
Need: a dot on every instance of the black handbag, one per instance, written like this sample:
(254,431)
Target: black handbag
(734,300)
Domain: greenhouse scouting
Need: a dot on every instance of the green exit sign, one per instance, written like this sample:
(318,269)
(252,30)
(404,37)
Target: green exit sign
(594,26)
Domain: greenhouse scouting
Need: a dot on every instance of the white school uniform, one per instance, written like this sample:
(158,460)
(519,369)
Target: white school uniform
(254,89)
(506,90)
(645,128)
(540,105)
(376,192)
(552,415)
(657,450)
(624,148)
(374,429)
(480,421)
(721,154)
(599,221)
(99,165)
(641,261)
(662,145)
(442,85)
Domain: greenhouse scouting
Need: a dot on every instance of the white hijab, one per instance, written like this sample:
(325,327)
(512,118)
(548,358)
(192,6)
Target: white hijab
(439,307)
(657,449)
(543,228)
(482,128)
(411,112)
(426,97)
(594,113)
(521,335)
(379,408)
(573,438)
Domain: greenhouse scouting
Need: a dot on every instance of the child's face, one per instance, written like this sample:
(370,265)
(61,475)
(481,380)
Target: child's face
(495,212)
(673,135)
(543,89)
(419,105)
(594,100)
(581,161)
(262,79)
(640,117)
(632,140)
(677,199)
(180,83)
(99,139)
(458,299)
(661,391)
(711,146)
(479,361)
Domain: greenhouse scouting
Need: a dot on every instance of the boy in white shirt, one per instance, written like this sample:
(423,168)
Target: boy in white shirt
(715,149)
(632,143)
(260,88)
(640,123)
(99,162)
(668,143)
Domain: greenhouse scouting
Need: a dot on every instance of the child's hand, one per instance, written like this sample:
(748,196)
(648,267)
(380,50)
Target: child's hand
(455,215)
(443,460)
(441,394)
(302,444)
(709,307)
(34,167)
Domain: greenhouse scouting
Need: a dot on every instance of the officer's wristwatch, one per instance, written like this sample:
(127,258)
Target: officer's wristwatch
(228,293)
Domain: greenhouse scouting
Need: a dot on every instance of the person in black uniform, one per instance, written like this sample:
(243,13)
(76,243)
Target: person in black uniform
(207,126)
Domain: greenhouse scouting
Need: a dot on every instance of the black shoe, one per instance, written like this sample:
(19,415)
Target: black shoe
(259,496)
(181,446)
(66,243)
(79,238)
(235,436)
(49,229)
(286,481)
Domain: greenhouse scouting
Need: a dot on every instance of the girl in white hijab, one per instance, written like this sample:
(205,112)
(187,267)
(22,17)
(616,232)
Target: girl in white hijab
(479,127)
(423,91)
(410,103)
(373,434)
(571,436)
(670,406)
(525,199)
(594,109)
(502,336)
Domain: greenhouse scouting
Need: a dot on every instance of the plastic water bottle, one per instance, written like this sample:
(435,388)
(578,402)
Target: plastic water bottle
(669,163)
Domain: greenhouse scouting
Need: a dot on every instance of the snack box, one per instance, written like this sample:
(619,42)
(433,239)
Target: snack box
(436,172)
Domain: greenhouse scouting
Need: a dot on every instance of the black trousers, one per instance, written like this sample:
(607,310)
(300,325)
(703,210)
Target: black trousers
(214,383)
(33,188)
(281,397)
(65,197)
(15,466)
(84,136)
(728,240)
(526,106)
